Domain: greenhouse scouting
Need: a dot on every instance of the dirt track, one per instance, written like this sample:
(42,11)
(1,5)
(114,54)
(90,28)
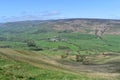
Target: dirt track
(39,60)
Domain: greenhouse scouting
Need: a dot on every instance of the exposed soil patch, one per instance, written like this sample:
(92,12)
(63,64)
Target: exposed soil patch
(105,64)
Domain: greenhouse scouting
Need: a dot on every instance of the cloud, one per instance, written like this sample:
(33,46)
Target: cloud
(53,13)
(3,17)
(33,16)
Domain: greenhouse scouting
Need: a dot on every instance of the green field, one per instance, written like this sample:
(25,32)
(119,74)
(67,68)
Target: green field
(36,51)
(23,68)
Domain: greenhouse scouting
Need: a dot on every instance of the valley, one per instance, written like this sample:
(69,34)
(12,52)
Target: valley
(63,49)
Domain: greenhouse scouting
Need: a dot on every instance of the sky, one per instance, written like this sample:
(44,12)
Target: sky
(19,10)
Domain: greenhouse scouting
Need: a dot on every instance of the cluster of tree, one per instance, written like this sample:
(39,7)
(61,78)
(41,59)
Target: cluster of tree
(3,39)
(31,43)
(82,57)
(65,55)
(33,46)
(5,46)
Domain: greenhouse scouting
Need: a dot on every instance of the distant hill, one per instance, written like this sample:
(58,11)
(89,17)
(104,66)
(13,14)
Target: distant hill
(82,25)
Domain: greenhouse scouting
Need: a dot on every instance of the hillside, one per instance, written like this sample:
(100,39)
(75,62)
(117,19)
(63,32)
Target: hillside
(23,65)
(63,49)
(65,31)
(62,25)
(26,65)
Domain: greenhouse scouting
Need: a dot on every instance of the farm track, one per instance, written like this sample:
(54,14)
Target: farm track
(32,58)
(106,70)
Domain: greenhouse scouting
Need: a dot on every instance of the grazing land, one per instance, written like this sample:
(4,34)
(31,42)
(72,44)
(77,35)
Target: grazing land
(64,49)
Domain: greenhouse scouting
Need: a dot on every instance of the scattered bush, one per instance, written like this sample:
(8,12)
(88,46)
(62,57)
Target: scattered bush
(31,43)
(36,48)
(5,46)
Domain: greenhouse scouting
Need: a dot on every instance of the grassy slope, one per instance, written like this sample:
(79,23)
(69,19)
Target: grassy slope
(84,41)
(22,65)
(17,33)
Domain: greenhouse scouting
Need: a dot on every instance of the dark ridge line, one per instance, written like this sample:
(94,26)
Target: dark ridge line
(66,19)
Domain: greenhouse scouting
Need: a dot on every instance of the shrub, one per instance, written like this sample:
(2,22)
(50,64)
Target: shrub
(31,43)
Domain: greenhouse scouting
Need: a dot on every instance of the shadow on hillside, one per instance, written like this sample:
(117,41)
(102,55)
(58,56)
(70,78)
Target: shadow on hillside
(108,67)
(114,66)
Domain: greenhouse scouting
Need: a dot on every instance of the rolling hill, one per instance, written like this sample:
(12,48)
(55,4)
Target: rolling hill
(63,49)
(26,65)
(65,25)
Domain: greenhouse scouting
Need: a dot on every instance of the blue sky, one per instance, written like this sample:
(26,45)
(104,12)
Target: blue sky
(17,10)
